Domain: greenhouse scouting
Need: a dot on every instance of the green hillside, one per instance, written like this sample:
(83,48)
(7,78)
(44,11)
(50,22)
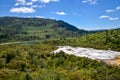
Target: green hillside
(27,29)
(109,39)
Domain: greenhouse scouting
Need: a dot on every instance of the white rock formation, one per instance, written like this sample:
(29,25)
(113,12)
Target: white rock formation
(88,52)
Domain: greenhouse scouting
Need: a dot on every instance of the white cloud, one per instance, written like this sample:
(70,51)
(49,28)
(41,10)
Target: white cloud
(108,11)
(52,18)
(25,6)
(44,1)
(34,6)
(118,8)
(29,3)
(47,1)
(34,0)
(113,19)
(102,17)
(92,2)
(109,18)
(23,10)
(40,17)
(20,2)
(60,13)
(24,2)
(38,6)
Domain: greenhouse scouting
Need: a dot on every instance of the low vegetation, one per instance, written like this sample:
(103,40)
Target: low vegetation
(36,62)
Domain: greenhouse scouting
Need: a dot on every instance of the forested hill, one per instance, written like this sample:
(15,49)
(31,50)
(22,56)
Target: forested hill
(25,29)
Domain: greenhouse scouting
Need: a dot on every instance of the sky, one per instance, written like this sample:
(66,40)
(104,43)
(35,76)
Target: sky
(84,14)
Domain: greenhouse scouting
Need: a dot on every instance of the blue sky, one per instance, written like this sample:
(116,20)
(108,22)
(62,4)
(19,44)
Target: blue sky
(84,14)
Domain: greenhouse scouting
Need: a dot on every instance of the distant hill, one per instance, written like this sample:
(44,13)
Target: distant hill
(25,29)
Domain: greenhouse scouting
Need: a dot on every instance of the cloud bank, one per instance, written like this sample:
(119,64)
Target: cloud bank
(109,18)
(92,2)
(24,6)
(23,10)
(113,10)
(60,13)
